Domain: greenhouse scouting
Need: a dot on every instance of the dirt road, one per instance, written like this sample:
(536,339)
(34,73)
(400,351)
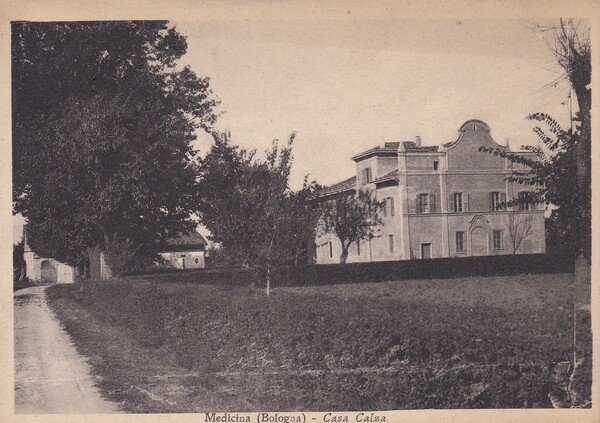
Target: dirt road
(50,376)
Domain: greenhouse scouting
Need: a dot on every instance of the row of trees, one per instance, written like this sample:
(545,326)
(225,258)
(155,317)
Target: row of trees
(104,116)
(103,120)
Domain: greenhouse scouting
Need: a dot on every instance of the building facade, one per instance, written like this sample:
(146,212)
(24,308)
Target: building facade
(184,252)
(45,269)
(441,201)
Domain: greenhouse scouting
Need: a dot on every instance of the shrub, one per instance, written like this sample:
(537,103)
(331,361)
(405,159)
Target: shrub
(327,274)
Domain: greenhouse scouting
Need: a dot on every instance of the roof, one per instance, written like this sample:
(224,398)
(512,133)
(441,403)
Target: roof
(192,240)
(391,175)
(343,186)
(390,149)
(412,146)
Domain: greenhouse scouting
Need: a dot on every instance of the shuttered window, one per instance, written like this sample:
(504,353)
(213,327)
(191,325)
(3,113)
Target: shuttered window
(426,203)
(457,202)
(524,201)
(460,241)
(497,200)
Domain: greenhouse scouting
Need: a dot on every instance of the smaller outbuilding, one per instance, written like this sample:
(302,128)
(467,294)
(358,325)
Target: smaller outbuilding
(45,269)
(184,252)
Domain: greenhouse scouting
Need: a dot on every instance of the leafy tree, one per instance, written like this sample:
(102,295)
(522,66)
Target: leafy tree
(248,207)
(551,172)
(351,218)
(103,120)
(569,42)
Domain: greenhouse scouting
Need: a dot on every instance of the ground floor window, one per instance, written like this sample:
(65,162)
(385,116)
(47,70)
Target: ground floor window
(497,239)
(391,243)
(460,241)
(330,249)
(358,248)
(426,251)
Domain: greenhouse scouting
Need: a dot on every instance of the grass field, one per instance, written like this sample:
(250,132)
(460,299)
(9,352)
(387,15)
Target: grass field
(456,343)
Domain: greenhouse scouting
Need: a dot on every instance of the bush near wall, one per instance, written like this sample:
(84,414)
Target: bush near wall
(327,274)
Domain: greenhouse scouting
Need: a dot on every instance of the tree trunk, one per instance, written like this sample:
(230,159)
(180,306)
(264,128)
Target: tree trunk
(268,280)
(344,254)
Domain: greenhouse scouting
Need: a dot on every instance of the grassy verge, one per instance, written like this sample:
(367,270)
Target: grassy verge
(469,343)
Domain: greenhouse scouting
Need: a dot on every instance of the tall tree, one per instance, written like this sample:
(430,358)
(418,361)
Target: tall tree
(103,121)
(351,218)
(569,42)
(247,205)
(551,172)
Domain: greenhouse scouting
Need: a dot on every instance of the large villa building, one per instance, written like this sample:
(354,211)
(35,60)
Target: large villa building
(440,201)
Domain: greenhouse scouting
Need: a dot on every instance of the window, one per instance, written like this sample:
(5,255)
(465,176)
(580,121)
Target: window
(358,248)
(423,203)
(388,207)
(436,165)
(496,200)
(391,243)
(524,201)
(367,175)
(460,241)
(457,202)
(330,250)
(426,251)
(497,239)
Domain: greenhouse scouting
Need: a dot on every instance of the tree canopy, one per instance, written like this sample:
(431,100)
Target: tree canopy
(103,121)
(248,207)
(351,218)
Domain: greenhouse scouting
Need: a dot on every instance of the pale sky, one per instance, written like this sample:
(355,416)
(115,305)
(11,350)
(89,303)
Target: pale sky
(347,85)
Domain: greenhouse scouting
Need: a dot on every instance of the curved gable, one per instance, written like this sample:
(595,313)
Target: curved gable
(464,152)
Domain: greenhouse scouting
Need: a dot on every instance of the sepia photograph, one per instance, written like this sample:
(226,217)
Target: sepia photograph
(282,216)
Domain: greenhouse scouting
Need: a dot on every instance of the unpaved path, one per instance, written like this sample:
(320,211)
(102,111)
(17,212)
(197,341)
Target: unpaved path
(50,376)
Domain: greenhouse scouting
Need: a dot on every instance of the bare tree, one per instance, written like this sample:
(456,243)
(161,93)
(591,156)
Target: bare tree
(519,227)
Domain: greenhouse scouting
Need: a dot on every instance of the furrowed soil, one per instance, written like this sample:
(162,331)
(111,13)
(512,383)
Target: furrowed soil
(499,342)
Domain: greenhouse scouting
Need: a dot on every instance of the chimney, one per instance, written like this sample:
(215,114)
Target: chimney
(418,140)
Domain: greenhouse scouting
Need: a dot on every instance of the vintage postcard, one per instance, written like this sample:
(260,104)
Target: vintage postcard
(291,212)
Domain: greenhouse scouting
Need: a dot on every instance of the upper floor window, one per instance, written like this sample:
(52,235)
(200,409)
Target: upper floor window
(457,202)
(524,200)
(426,203)
(436,165)
(497,200)
(423,203)
(367,177)
(388,207)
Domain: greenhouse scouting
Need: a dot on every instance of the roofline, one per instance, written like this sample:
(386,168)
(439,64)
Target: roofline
(375,151)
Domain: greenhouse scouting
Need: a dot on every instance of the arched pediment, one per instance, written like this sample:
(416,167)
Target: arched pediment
(473,125)
(465,153)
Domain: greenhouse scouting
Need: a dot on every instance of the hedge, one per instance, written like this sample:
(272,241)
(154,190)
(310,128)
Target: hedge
(328,274)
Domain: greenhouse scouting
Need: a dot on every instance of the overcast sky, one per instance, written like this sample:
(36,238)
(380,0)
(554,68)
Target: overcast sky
(347,85)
